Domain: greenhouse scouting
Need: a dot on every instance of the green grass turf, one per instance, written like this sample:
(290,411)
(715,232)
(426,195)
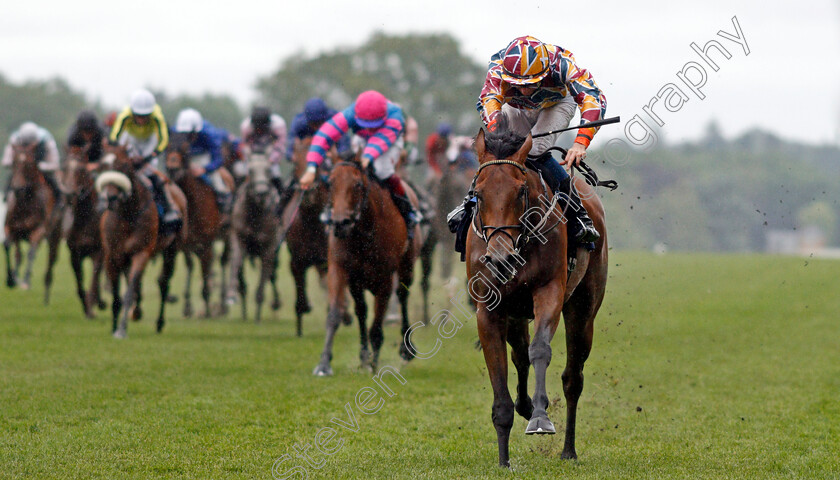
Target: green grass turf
(703,366)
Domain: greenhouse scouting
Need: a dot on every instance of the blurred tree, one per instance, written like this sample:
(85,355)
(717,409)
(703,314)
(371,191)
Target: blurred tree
(818,214)
(220,110)
(426,73)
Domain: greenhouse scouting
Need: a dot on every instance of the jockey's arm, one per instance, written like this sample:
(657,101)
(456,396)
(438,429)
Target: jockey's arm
(50,163)
(161,130)
(8,156)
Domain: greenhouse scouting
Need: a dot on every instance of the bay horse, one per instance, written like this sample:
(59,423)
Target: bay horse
(306,237)
(207,222)
(255,228)
(368,243)
(520,273)
(130,237)
(448,192)
(82,235)
(31,216)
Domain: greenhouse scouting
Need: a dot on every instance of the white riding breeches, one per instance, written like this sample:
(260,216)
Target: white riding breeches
(385,165)
(215,177)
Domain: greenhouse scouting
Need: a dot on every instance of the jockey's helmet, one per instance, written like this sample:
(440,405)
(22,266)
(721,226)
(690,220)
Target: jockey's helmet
(142,102)
(444,129)
(189,121)
(261,118)
(371,109)
(87,121)
(315,111)
(28,133)
(525,61)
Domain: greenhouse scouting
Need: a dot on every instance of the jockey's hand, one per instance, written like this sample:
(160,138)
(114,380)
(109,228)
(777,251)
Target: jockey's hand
(574,155)
(197,171)
(308,178)
(365,163)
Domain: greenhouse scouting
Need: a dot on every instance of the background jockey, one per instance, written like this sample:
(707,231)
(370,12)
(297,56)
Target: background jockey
(377,124)
(141,127)
(265,132)
(306,124)
(87,135)
(437,144)
(538,87)
(205,152)
(46,153)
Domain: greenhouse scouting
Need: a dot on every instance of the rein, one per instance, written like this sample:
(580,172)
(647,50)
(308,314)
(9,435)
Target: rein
(481,229)
(357,212)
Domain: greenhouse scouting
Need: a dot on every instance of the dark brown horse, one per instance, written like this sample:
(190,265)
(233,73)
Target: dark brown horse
(368,243)
(207,222)
(82,235)
(448,192)
(518,273)
(130,237)
(254,233)
(306,237)
(31,216)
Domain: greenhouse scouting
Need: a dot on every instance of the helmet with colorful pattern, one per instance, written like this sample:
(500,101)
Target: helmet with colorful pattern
(525,61)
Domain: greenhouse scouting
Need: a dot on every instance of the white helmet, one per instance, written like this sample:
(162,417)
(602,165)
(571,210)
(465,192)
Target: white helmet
(142,102)
(189,120)
(28,133)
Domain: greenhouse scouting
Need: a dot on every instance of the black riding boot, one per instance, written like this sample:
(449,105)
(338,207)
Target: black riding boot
(170,219)
(407,211)
(53,184)
(580,225)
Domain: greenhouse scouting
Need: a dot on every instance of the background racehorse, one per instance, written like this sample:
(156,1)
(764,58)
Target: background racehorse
(367,244)
(82,235)
(448,192)
(254,233)
(207,222)
(306,237)
(520,273)
(31,216)
(130,237)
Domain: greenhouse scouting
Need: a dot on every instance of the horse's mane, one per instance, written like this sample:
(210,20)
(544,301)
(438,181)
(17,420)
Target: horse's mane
(503,142)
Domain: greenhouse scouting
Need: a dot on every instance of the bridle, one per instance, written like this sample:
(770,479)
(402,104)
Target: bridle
(481,229)
(357,211)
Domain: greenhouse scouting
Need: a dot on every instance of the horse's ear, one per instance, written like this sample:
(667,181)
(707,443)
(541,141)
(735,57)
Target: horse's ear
(522,154)
(479,144)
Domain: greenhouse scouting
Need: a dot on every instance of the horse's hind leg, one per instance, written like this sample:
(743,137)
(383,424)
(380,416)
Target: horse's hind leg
(579,317)
(11,281)
(78,272)
(518,338)
(301,302)
(34,243)
(94,294)
(405,279)
(135,273)
(224,263)
(376,334)
(206,259)
(491,334)
(188,261)
(426,261)
(266,274)
(275,299)
(163,282)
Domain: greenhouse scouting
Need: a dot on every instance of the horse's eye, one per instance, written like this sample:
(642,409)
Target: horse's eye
(522,192)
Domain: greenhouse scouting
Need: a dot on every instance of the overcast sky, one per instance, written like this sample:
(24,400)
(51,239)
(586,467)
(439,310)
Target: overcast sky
(789,83)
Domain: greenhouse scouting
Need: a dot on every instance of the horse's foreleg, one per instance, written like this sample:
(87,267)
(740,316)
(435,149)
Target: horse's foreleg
(579,319)
(206,259)
(267,264)
(301,302)
(53,240)
(94,294)
(518,339)
(78,272)
(188,261)
(548,301)
(405,277)
(34,243)
(358,294)
(224,262)
(426,261)
(236,284)
(337,285)
(169,255)
(275,299)
(135,273)
(11,281)
(116,304)
(491,334)
(376,334)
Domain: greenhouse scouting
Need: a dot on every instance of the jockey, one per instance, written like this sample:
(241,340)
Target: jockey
(205,152)
(306,124)
(265,132)
(141,126)
(87,135)
(46,153)
(538,87)
(437,144)
(460,154)
(377,124)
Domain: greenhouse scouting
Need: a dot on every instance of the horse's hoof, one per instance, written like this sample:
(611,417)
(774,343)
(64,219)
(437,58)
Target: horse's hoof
(275,305)
(230,300)
(347,320)
(24,286)
(101,305)
(569,454)
(540,426)
(120,334)
(364,358)
(10,282)
(160,324)
(136,313)
(405,353)
(171,298)
(188,311)
(322,371)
